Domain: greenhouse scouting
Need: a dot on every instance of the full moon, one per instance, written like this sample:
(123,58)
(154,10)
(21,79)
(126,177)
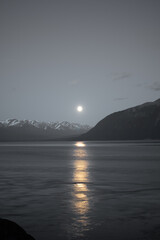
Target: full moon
(79,108)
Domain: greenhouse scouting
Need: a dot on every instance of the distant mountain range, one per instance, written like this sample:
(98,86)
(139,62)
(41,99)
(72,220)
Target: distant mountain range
(27,130)
(136,123)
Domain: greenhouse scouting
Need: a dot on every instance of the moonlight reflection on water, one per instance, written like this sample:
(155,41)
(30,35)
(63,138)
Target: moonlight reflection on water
(82,190)
(80,203)
(80,144)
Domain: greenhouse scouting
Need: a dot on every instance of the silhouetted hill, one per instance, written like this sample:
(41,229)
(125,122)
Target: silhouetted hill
(11,231)
(27,130)
(137,123)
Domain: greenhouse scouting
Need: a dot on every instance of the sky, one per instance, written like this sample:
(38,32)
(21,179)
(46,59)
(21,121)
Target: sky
(56,55)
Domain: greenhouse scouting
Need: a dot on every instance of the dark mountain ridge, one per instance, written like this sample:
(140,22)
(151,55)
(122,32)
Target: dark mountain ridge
(136,123)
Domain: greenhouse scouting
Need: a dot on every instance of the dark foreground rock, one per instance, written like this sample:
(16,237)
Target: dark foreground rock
(11,231)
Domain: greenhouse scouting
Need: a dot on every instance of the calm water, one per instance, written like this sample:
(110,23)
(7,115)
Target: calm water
(87,190)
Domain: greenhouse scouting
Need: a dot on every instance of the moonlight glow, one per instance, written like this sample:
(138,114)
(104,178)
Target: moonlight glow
(79,108)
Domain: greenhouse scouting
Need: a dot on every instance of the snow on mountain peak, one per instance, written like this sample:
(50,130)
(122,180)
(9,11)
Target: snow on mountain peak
(60,126)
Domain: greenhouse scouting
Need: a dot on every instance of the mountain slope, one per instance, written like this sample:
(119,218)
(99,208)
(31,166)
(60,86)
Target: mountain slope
(27,130)
(140,122)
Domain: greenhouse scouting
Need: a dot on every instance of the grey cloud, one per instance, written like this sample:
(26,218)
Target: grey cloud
(120,98)
(139,85)
(155,86)
(74,82)
(121,76)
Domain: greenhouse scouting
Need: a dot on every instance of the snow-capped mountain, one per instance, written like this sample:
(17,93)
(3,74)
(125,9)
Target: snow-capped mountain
(44,125)
(14,129)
